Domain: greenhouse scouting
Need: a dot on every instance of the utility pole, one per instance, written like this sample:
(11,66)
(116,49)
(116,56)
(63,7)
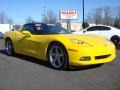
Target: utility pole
(44,11)
(83,14)
(44,14)
(69,24)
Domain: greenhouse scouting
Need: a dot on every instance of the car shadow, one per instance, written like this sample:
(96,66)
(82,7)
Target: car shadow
(32,60)
(45,63)
(27,58)
(2,51)
(81,68)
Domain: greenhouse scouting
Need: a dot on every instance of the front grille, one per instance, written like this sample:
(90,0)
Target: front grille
(103,56)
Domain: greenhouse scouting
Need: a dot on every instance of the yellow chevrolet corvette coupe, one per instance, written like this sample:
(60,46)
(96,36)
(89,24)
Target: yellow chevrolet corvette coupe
(59,46)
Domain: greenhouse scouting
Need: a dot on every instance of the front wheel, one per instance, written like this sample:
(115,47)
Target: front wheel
(57,56)
(116,41)
(9,47)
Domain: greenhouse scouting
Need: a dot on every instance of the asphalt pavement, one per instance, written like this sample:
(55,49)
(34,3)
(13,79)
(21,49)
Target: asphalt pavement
(26,73)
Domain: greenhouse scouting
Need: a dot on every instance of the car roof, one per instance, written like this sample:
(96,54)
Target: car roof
(34,23)
(102,25)
(46,24)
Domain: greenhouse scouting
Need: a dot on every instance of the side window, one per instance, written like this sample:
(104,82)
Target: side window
(40,29)
(98,28)
(91,29)
(105,28)
(25,27)
(34,28)
(28,27)
(31,29)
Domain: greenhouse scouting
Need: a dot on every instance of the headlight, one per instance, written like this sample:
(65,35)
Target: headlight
(79,42)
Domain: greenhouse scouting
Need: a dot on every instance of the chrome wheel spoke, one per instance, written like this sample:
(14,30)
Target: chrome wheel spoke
(56,56)
(56,50)
(8,47)
(59,61)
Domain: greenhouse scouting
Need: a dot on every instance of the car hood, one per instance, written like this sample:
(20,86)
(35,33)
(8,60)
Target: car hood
(90,38)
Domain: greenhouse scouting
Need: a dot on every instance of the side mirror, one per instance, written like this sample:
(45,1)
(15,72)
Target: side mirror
(26,33)
(13,30)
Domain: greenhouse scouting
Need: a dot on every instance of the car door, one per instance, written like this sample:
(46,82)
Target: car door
(104,31)
(98,30)
(26,44)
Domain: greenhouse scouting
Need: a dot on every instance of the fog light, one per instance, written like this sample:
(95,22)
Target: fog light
(85,58)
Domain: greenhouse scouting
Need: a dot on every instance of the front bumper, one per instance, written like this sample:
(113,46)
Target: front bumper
(97,55)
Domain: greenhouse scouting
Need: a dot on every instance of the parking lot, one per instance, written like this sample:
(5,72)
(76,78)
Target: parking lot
(26,73)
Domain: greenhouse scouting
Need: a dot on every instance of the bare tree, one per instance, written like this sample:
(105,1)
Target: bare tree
(107,16)
(10,21)
(29,20)
(116,16)
(89,17)
(49,17)
(5,19)
(95,16)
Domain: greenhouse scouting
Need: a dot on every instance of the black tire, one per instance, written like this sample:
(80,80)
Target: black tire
(57,56)
(9,47)
(116,41)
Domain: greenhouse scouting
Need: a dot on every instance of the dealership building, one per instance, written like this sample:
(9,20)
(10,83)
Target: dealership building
(75,26)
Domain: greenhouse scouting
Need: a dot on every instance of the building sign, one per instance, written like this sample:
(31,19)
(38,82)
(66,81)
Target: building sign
(71,14)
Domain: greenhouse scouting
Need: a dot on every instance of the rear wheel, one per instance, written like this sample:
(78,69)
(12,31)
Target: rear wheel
(116,41)
(57,56)
(9,47)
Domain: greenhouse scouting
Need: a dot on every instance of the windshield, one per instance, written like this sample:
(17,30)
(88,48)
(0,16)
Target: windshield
(49,29)
(58,30)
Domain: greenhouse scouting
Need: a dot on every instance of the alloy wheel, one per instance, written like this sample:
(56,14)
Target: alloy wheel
(57,56)
(9,47)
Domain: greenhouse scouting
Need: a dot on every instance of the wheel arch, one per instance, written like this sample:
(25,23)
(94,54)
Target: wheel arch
(116,40)
(5,42)
(7,39)
(114,36)
(47,48)
(66,63)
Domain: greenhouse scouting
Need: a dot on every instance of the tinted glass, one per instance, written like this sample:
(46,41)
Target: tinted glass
(98,28)
(40,28)
(28,27)
(91,29)
(105,28)
(58,30)
(25,28)
(102,28)
(50,29)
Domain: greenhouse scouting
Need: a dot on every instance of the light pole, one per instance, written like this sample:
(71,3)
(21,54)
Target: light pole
(83,14)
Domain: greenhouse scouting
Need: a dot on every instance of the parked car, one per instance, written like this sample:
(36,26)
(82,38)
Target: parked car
(111,33)
(1,35)
(59,46)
